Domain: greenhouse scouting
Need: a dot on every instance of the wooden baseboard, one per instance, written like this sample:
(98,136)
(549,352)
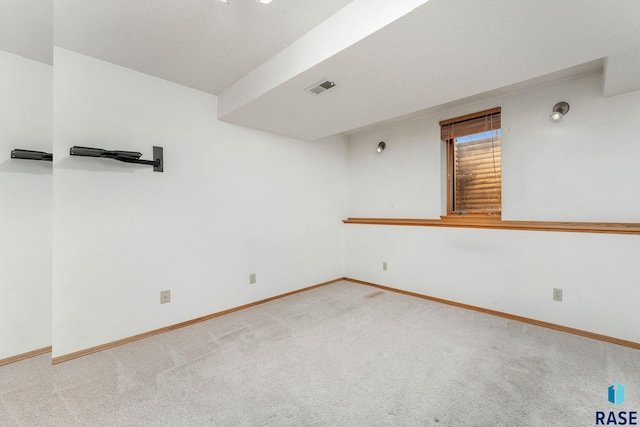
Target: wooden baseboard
(548,325)
(123,341)
(75,355)
(27,355)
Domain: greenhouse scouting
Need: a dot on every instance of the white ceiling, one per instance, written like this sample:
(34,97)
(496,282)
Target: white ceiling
(443,51)
(26,29)
(388,59)
(203,44)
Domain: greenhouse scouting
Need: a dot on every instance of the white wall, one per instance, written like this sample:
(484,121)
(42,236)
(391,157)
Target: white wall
(232,201)
(401,182)
(25,206)
(582,168)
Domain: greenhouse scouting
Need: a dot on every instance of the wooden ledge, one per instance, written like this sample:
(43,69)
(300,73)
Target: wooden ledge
(497,223)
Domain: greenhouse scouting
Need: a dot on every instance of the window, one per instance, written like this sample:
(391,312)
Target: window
(474,167)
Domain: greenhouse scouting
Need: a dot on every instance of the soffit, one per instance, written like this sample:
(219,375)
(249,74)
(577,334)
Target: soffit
(441,52)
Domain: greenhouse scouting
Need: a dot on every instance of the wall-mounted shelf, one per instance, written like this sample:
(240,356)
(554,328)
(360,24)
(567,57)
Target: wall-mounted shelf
(31,155)
(122,156)
(497,223)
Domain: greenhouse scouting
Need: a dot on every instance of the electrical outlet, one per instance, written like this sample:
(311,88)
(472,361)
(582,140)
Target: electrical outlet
(557,294)
(165,297)
(384,266)
(252,278)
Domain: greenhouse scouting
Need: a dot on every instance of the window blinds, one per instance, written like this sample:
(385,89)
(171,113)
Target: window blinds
(475,159)
(482,121)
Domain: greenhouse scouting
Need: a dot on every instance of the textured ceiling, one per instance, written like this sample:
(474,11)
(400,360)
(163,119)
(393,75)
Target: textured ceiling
(203,44)
(26,29)
(443,51)
(389,59)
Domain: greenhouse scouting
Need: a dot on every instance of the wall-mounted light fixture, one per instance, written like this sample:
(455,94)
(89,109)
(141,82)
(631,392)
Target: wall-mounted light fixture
(381,147)
(31,155)
(559,110)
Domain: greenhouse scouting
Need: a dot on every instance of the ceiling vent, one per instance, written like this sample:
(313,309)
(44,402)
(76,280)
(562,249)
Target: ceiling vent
(320,87)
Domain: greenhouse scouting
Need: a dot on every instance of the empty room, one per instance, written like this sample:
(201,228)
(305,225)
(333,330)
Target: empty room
(319,213)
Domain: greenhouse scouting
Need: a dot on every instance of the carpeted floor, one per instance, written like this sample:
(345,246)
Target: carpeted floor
(25,392)
(340,355)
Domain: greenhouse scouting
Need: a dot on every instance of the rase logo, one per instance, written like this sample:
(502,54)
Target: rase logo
(616,396)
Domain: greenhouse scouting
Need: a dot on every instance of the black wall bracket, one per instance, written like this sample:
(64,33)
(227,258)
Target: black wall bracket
(122,156)
(31,155)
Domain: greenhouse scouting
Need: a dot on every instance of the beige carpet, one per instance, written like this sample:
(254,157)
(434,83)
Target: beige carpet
(25,392)
(344,355)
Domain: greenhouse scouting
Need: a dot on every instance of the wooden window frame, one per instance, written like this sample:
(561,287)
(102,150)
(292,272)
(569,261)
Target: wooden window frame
(450,160)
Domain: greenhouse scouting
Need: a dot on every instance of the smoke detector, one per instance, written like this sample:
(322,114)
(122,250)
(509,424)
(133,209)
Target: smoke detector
(320,87)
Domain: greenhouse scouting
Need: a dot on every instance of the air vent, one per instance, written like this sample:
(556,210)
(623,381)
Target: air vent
(320,87)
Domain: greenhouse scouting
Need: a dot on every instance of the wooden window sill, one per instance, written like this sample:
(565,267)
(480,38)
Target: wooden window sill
(497,223)
(471,217)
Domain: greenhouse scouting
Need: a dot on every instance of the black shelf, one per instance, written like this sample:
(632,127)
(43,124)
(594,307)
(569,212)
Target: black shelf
(122,156)
(31,155)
